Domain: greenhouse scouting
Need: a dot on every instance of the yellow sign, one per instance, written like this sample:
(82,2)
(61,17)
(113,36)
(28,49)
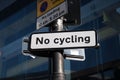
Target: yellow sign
(44,6)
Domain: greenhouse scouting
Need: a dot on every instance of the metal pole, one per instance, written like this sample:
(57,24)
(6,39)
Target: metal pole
(58,66)
(57,56)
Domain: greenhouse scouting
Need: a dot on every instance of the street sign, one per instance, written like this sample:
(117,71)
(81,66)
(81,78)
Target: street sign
(61,40)
(44,6)
(49,10)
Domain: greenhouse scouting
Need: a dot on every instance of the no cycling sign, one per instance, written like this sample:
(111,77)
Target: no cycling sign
(62,40)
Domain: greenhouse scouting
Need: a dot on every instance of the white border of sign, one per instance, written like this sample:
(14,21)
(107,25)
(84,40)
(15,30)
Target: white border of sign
(51,37)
